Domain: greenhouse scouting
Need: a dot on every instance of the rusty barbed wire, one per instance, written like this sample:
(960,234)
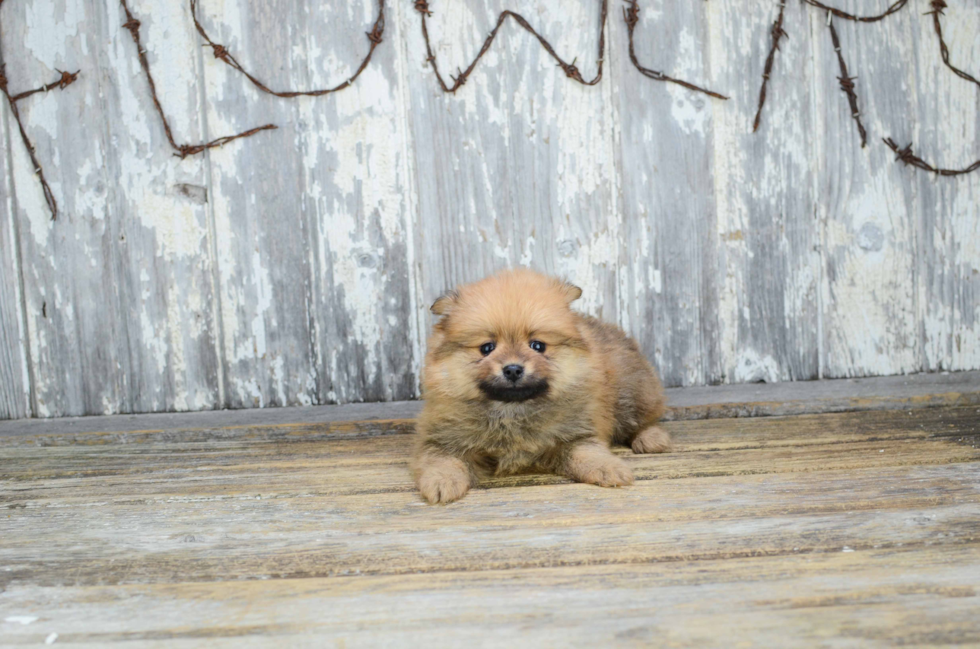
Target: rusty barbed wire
(906,156)
(776,33)
(570,70)
(182,150)
(631,15)
(847,85)
(894,8)
(222,53)
(65,80)
(938,6)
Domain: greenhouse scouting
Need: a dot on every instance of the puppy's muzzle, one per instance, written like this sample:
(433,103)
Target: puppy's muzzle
(513,390)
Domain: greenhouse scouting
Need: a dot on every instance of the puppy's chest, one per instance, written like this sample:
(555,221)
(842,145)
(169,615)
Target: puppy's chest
(516,444)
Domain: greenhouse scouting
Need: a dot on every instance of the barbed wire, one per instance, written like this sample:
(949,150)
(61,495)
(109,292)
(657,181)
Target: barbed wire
(938,6)
(222,53)
(182,150)
(375,37)
(569,68)
(65,80)
(894,8)
(776,34)
(631,15)
(910,159)
(847,84)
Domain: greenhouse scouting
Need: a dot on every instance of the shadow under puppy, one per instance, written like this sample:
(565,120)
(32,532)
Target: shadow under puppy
(515,381)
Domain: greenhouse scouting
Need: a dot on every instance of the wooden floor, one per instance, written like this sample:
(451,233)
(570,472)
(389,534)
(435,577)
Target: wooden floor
(842,529)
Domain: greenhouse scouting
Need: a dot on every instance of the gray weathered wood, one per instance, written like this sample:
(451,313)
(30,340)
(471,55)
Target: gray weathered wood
(948,213)
(117,289)
(312,220)
(15,395)
(666,163)
(719,401)
(768,270)
(517,166)
(295,267)
(867,203)
(821,529)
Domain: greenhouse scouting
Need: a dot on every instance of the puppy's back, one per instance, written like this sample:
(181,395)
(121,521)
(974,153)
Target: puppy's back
(639,394)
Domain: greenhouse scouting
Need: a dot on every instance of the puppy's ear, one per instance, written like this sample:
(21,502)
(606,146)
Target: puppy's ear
(570,291)
(444,304)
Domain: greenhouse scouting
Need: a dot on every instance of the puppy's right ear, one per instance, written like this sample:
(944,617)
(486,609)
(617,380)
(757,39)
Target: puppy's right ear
(444,304)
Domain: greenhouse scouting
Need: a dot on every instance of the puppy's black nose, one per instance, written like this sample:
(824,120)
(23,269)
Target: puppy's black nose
(513,373)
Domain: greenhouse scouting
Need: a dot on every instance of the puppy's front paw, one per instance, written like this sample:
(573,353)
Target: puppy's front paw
(443,480)
(652,440)
(596,465)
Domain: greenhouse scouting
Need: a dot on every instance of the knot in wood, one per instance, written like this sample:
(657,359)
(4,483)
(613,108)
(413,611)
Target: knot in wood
(422,7)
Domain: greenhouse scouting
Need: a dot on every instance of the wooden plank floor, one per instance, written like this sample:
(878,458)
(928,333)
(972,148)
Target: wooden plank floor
(842,529)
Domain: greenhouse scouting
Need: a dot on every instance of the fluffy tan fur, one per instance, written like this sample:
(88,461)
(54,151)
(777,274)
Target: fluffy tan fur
(590,387)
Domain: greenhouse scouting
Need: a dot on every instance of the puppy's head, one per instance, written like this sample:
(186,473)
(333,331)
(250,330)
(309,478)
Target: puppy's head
(509,338)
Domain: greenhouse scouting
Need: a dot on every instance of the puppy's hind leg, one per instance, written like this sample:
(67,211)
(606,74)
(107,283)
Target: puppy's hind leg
(594,463)
(652,439)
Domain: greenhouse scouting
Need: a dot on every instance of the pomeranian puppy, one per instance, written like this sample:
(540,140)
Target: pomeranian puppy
(515,381)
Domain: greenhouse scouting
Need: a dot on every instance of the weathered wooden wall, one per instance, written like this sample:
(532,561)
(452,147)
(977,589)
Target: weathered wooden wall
(295,267)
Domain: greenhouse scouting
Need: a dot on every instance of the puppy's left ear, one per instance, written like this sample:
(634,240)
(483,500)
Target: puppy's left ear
(444,304)
(570,291)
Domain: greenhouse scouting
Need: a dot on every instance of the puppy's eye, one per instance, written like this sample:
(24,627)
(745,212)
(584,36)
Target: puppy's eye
(485,348)
(538,346)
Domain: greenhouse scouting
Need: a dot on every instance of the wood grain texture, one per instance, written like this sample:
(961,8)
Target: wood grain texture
(838,527)
(117,289)
(768,268)
(868,207)
(948,216)
(295,267)
(315,292)
(670,218)
(15,390)
(515,168)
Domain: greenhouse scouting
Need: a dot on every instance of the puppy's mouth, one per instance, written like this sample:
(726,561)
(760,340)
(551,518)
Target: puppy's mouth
(514,393)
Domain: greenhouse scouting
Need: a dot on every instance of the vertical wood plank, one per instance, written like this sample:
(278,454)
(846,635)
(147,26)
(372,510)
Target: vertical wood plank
(516,168)
(867,203)
(358,194)
(768,308)
(946,131)
(264,239)
(15,395)
(315,249)
(668,192)
(117,288)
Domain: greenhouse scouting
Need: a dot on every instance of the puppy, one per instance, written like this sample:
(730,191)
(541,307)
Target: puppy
(516,381)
